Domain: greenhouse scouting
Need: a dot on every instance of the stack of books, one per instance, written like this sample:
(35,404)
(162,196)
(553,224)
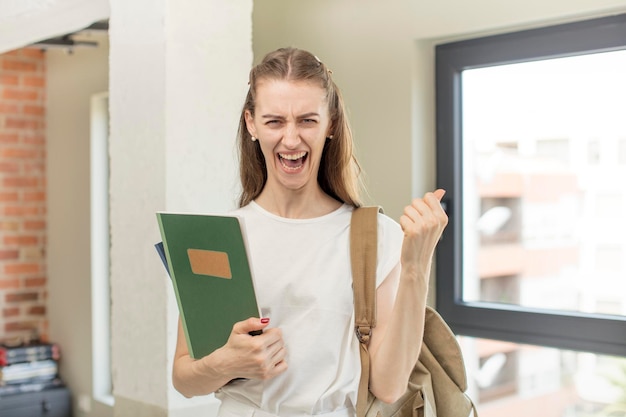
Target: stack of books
(29,367)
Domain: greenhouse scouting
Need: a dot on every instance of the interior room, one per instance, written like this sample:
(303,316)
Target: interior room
(112,110)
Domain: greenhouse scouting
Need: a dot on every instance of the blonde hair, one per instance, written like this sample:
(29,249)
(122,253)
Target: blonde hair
(339,170)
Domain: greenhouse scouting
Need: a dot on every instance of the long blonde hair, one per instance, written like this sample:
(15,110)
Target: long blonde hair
(339,170)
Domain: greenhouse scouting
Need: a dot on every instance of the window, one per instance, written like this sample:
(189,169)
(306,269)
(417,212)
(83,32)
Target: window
(100,253)
(530,148)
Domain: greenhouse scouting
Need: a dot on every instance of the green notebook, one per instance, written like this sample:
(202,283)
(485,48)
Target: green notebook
(207,260)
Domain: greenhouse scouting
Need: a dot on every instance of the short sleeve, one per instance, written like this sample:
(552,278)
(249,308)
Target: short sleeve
(390,237)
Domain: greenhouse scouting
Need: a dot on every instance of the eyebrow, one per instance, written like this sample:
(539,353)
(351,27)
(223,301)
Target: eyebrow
(302,116)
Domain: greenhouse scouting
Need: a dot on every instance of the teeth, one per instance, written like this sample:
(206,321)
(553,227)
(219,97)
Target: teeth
(292,157)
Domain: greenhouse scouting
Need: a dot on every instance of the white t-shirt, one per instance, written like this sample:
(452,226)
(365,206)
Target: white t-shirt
(303,282)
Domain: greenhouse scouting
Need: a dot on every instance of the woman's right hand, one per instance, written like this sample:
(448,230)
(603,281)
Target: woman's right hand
(252,357)
(243,356)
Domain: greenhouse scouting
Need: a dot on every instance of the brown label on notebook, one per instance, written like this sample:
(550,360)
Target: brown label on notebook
(208,262)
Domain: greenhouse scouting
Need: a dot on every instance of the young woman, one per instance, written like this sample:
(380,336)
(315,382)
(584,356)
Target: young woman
(300,184)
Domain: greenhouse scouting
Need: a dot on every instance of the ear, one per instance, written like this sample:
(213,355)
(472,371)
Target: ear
(250,123)
(329,132)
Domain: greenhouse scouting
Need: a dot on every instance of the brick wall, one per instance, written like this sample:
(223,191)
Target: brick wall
(22,195)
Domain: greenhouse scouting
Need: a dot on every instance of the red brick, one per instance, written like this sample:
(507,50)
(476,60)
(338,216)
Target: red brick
(8,196)
(9,225)
(9,167)
(34,225)
(13,94)
(35,282)
(21,211)
(34,110)
(9,108)
(18,153)
(20,325)
(21,123)
(19,297)
(34,81)
(9,254)
(11,312)
(22,193)
(20,182)
(37,140)
(10,283)
(9,79)
(21,240)
(37,311)
(18,65)
(35,196)
(32,52)
(37,167)
(13,211)
(9,138)
(22,268)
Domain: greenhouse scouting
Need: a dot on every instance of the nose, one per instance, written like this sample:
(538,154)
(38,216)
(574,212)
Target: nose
(291,136)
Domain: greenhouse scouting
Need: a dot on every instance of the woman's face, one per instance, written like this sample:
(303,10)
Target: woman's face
(291,122)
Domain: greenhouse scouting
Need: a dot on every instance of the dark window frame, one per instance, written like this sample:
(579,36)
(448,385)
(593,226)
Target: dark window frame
(561,329)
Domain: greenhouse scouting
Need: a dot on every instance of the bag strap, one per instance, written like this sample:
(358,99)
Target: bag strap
(363,256)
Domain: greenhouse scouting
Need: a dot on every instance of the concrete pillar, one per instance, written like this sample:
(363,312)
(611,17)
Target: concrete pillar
(178,76)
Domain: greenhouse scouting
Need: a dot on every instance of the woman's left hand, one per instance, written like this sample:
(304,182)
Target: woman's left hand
(401,299)
(423,223)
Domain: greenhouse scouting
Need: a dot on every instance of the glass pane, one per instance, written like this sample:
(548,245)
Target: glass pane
(544,183)
(507,379)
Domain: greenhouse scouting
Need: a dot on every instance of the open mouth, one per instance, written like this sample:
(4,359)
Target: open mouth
(292,162)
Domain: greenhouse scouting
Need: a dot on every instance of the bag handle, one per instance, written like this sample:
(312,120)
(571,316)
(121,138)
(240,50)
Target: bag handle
(363,256)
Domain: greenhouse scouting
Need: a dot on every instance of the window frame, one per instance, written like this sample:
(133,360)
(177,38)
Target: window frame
(598,333)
